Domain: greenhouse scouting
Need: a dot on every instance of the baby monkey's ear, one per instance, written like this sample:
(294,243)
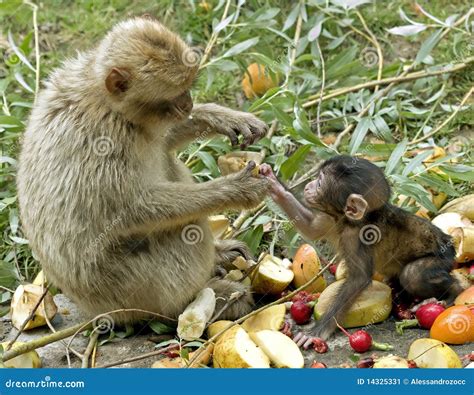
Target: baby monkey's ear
(117,80)
(356,207)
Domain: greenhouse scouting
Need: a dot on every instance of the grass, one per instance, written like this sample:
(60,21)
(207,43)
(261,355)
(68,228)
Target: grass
(403,112)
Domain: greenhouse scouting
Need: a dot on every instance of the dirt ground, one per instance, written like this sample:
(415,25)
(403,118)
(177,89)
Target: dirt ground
(340,353)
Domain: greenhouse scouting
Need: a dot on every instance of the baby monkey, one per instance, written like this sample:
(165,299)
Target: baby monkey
(348,205)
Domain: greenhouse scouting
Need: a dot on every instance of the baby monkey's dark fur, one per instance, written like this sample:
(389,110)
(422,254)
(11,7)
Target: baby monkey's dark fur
(348,205)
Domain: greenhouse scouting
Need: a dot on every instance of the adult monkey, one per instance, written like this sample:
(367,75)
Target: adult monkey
(112,214)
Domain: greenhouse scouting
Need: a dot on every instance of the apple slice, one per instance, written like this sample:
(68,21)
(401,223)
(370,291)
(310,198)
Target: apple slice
(463,243)
(282,351)
(235,349)
(271,277)
(371,306)
(271,318)
(431,353)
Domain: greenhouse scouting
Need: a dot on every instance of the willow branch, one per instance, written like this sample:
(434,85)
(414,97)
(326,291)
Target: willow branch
(446,121)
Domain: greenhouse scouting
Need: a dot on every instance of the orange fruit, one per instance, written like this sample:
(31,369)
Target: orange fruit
(305,266)
(257,81)
(455,325)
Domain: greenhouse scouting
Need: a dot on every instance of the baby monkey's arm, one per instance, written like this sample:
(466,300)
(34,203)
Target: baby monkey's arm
(311,224)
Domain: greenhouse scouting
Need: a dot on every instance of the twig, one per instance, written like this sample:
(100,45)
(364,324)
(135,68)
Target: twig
(90,347)
(90,322)
(253,313)
(323,85)
(230,302)
(239,221)
(44,341)
(446,121)
(213,38)
(377,47)
(296,39)
(171,347)
(314,99)
(28,319)
(7,289)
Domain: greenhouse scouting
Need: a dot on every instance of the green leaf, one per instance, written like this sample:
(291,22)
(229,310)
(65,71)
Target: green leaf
(291,19)
(302,127)
(19,52)
(412,189)
(359,134)
(395,157)
(282,117)
(294,162)
(415,162)
(159,328)
(209,161)
(428,46)
(382,128)
(252,238)
(241,47)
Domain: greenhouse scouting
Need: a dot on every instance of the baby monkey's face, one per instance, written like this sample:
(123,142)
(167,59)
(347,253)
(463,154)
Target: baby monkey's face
(313,191)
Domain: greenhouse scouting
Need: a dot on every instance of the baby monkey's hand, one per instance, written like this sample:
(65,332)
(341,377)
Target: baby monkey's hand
(277,190)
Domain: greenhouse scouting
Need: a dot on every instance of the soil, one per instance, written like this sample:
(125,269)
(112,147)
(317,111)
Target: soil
(339,355)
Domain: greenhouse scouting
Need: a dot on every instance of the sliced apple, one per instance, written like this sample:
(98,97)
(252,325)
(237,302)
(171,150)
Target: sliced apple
(271,276)
(271,318)
(306,265)
(391,361)
(371,306)
(23,302)
(431,353)
(235,349)
(30,359)
(282,351)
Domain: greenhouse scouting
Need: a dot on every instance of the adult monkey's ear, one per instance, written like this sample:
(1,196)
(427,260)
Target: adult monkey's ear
(356,207)
(117,80)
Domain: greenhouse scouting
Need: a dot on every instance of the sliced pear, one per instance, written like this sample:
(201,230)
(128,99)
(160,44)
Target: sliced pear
(235,349)
(216,327)
(166,363)
(271,318)
(271,276)
(448,221)
(463,243)
(23,302)
(282,351)
(371,306)
(463,205)
(30,359)
(431,353)
(391,361)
